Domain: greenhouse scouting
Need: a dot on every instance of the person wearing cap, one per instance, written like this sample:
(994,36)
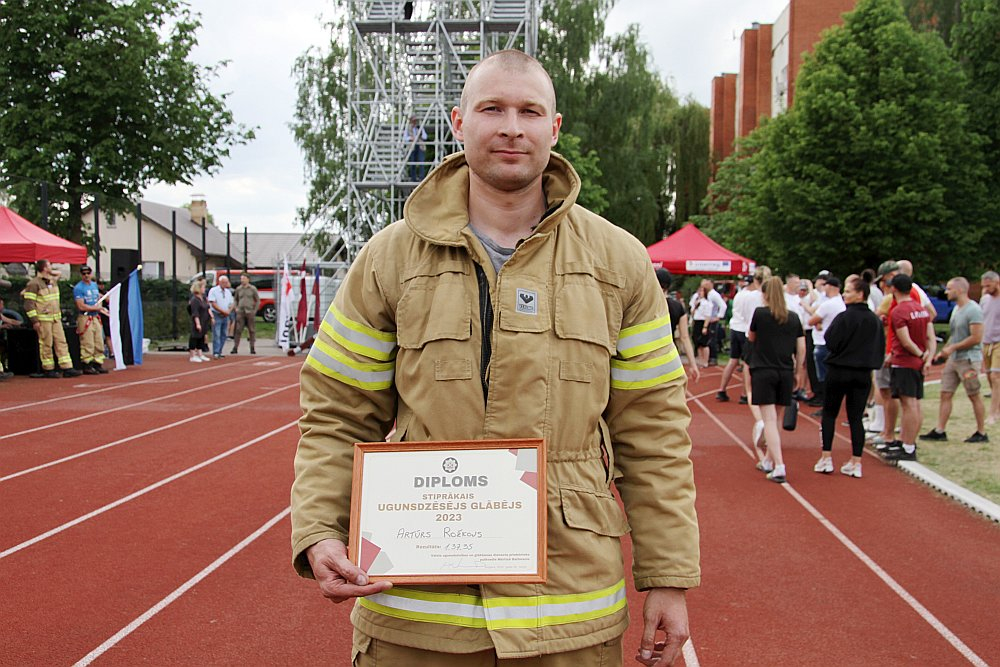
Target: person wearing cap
(41,304)
(678,322)
(88,322)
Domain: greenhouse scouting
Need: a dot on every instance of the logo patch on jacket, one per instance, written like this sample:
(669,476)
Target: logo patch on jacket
(527,302)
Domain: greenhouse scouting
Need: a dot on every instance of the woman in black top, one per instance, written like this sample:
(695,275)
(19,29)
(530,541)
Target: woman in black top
(855,340)
(779,349)
(200,323)
(678,323)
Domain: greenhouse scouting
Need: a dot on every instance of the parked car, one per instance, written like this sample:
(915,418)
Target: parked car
(940,302)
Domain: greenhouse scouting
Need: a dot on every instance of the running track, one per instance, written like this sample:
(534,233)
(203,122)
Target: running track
(143,519)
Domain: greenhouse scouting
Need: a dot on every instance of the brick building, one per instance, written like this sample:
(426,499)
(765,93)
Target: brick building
(770,58)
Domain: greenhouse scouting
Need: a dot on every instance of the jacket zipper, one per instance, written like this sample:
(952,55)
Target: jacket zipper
(486,324)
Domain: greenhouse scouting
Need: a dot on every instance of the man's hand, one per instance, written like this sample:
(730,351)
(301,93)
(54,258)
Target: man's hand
(666,610)
(339,579)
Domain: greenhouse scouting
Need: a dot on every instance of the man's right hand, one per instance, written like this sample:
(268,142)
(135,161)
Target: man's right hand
(339,579)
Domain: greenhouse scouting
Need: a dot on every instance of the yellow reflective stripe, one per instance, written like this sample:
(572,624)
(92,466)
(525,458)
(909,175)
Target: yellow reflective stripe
(64,360)
(357,337)
(646,337)
(30,295)
(498,613)
(50,297)
(337,365)
(646,374)
(32,313)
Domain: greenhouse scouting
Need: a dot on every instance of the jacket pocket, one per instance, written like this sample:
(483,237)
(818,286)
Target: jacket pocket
(435,305)
(596,511)
(587,306)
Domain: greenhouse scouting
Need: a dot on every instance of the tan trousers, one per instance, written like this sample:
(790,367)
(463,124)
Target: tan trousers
(51,333)
(369,652)
(245,318)
(91,339)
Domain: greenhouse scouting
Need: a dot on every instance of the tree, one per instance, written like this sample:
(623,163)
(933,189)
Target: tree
(99,98)
(691,125)
(938,15)
(876,159)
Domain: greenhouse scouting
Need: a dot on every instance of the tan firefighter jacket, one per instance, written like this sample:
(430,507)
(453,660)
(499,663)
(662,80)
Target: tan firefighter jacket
(41,300)
(592,369)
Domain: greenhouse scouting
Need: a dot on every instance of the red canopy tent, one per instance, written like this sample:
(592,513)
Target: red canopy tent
(21,241)
(689,251)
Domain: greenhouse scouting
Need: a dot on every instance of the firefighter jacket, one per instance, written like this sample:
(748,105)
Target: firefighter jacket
(423,332)
(41,300)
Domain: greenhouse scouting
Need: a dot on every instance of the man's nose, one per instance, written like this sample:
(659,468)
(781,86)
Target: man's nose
(511,126)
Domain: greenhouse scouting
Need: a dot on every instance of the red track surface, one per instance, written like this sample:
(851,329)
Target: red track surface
(131,551)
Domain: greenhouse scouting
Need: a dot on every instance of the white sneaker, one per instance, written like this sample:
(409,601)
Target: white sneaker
(824,465)
(758,433)
(851,469)
(204,358)
(196,360)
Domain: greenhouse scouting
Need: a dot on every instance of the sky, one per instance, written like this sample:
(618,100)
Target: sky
(261,184)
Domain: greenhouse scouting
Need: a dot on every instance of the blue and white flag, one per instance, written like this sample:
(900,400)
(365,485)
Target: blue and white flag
(125,313)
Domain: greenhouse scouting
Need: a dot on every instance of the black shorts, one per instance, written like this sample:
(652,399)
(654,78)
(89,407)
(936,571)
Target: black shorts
(771,386)
(906,382)
(737,344)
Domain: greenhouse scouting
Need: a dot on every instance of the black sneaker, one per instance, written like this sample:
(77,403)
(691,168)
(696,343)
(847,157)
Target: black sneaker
(743,400)
(71,373)
(800,395)
(895,452)
(51,374)
(977,437)
(90,370)
(815,402)
(234,351)
(99,368)
(934,434)
(881,447)
(722,397)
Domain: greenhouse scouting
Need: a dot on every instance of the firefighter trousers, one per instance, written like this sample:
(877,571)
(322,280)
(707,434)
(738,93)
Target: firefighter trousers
(91,333)
(51,334)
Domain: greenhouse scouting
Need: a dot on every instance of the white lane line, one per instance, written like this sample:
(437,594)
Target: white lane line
(898,589)
(119,385)
(184,588)
(690,657)
(141,492)
(200,415)
(140,403)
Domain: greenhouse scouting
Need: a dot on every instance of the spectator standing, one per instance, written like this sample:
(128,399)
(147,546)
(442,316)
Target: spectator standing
(415,137)
(746,301)
(810,302)
(201,319)
(964,355)
(778,349)
(854,344)
(821,317)
(41,305)
(989,302)
(549,357)
(88,322)
(247,300)
(220,299)
(706,308)
(678,322)
(913,347)
(5,323)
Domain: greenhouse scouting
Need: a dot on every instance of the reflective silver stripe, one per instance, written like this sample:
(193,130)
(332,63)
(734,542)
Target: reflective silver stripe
(357,337)
(339,366)
(645,337)
(546,612)
(413,606)
(645,374)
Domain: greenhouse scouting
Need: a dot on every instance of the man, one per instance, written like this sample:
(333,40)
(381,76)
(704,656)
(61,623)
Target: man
(678,322)
(5,323)
(220,302)
(88,322)
(414,137)
(906,268)
(913,347)
(820,319)
(247,303)
(990,305)
(964,354)
(41,304)
(745,302)
(570,342)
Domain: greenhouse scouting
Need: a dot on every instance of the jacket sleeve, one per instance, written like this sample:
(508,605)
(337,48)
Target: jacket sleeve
(836,333)
(648,417)
(29,298)
(347,395)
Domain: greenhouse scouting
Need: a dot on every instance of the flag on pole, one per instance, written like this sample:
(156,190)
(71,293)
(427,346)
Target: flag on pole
(285,320)
(301,317)
(125,314)
(317,317)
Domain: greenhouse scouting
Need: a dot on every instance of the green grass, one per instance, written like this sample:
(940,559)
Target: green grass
(265,331)
(973,466)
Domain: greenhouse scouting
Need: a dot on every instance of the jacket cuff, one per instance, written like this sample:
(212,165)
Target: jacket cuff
(645,583)
(299,559)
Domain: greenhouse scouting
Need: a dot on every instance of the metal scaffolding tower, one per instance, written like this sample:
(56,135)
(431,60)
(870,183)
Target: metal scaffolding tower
(409,60)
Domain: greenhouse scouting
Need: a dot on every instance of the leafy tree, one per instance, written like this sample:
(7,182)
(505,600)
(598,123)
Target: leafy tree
(592,196)
(975,47)
(938,15)
(100,98)
(876,158)
(691,125)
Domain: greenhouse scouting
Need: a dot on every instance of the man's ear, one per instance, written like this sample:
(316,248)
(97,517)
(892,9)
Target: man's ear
(556,125)
(456,123)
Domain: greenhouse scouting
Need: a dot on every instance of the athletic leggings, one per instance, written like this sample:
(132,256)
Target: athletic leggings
(851,385)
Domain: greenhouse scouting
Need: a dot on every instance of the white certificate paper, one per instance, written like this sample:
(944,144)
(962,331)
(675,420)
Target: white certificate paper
(448,512)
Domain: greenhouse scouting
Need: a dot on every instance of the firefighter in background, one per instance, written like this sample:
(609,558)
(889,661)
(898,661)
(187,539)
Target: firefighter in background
(41,303)
(88,322)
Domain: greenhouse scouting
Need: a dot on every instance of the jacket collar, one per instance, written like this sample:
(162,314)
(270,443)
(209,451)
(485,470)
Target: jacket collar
(438,209)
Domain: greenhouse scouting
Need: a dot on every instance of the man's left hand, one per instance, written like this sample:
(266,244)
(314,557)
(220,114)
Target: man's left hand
(665,610)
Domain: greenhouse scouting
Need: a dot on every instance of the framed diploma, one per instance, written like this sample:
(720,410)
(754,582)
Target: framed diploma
(469,511)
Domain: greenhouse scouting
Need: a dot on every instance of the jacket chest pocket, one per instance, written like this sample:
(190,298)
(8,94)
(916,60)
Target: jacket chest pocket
(587,305)
(524,304)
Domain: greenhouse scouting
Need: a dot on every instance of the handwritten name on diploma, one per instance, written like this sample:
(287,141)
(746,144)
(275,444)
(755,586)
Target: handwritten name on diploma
(447,533)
